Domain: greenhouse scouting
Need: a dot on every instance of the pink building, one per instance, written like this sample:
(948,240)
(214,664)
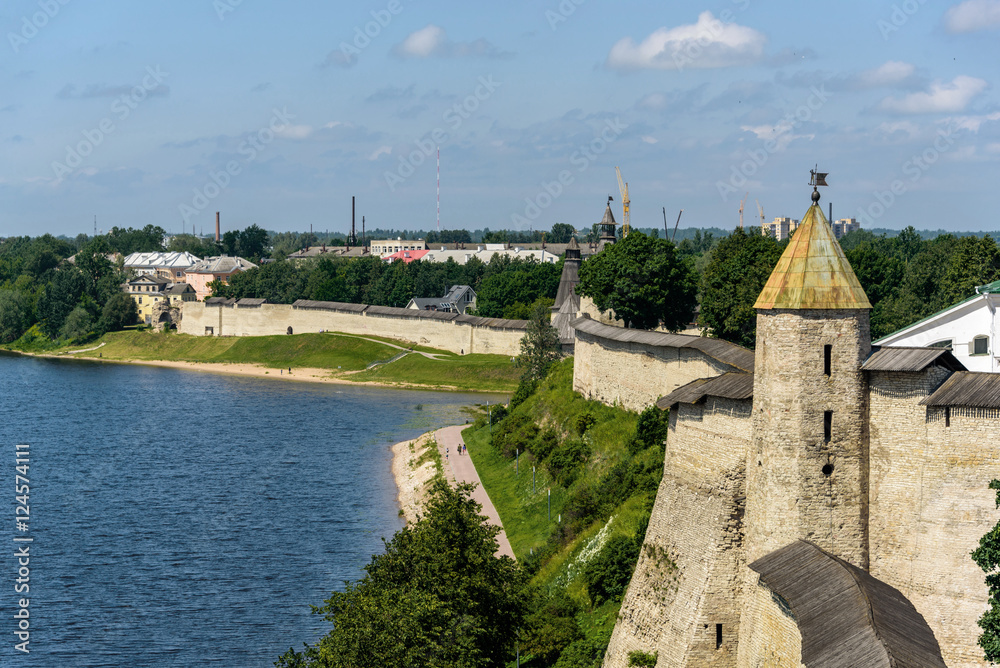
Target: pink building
(214,268)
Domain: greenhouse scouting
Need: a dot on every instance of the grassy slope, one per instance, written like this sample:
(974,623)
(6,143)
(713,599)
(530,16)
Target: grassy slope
(336,352)
(525,514)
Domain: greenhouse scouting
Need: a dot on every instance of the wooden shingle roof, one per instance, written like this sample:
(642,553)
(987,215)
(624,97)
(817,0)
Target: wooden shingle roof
(911,359)
(723,351)
(847,618)
(728,386)
(967,388)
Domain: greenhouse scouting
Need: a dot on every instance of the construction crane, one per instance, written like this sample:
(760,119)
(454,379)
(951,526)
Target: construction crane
(742,202)
(760,210)
(626,227)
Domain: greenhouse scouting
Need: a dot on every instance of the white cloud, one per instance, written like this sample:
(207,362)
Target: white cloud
(970,123)
(650,140)
(423,42)
(973,15)
(909,127)
(432,40)
(294,131)
(891,73)
(380,151)
(940,98)
(708,43)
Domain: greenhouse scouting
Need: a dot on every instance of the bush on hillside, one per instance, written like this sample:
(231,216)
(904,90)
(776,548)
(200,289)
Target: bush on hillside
(608,574)
(651,430)
(525,389)
(544,444)
(585,422)
(564,463)
(513,433)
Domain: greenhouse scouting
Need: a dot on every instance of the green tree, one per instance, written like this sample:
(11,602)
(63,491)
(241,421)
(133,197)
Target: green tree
(79,325)
(987,557)
(119,312)
(539,346)
(643,281)
(15,314)
(975,262)
(437,597)
(59,299)
(732,281)
(561,233)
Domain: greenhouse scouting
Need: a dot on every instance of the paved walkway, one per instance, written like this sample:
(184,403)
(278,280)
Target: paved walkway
(459,468)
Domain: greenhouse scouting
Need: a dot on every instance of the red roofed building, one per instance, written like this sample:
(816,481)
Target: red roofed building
(406,256)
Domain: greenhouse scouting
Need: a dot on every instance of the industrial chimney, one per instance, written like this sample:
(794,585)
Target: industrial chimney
(218,237)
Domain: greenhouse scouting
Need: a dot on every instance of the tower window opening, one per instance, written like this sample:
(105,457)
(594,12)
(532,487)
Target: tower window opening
(828,426)
(827,359)
(828,469)
(718,636)
(947,416)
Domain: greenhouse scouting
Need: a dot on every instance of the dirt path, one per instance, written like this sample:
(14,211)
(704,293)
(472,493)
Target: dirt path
(460,468)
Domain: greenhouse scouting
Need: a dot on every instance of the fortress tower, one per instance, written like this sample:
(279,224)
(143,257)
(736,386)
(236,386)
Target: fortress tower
(807,467)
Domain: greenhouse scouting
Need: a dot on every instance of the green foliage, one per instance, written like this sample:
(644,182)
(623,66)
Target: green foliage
(644,281)
(525,388)
(513,285)
(127,241)
(608,574)
(650,430)
(119,312)
(513,433)
(733,279)
(565,462)
(539,346)
(585,421)
(551,627)
(79,325)
(16,314)
(437,597)
(987,557)
(643,659)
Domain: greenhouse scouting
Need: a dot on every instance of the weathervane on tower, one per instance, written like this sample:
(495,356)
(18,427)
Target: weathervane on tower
(817,179)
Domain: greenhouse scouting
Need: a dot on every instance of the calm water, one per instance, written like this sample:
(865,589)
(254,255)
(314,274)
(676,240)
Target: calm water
(189,519)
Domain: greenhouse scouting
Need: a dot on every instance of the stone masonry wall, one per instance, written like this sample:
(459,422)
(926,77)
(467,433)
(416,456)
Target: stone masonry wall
(770,636)
(930,504)
(274,319)
(800,485)
(635,375)
(687,579)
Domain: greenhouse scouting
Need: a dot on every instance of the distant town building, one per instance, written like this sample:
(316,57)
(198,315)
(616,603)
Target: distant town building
(149,290)
(212,269)
(844,226)
(968,329)
(385,247)
(458,299)
(485,252)
(171,266)
(406,256)
(780,228)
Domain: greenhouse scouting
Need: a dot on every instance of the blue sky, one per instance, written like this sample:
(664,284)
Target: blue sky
(277,113)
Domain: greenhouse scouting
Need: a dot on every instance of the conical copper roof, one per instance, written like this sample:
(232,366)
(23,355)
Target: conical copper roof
(813,272)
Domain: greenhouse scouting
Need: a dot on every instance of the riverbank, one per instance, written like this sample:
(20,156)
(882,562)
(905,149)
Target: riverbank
(328,358)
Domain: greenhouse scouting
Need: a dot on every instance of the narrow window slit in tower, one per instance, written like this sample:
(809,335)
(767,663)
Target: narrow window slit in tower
(718,636)
(828,426)
(827,359)
(947,416)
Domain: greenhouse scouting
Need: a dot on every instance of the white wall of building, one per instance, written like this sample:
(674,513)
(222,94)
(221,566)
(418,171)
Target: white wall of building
(961,324)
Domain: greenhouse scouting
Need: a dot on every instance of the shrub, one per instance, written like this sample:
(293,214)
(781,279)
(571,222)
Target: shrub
(582,653)
(551,627)
(651,430)
(513,433)
(585,422)
(608,574)
(564,463)
(543,446)
(497,413)
(525,389)
(643,659)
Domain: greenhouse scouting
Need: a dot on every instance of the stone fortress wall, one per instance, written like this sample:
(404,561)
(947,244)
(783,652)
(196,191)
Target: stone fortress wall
(449,331)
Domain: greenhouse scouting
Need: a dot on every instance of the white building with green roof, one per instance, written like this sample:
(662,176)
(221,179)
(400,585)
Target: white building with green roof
(968,329)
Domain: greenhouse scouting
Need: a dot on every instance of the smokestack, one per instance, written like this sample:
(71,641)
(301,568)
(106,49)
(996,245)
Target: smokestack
(218,236)
(831,212)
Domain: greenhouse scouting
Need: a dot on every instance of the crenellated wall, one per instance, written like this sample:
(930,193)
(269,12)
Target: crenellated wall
(687,580)
(457,334)
(930,504)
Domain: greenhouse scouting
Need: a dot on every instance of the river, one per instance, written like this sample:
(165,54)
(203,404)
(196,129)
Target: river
(180,518)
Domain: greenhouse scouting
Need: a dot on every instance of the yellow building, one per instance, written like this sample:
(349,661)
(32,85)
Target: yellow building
(150,290)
